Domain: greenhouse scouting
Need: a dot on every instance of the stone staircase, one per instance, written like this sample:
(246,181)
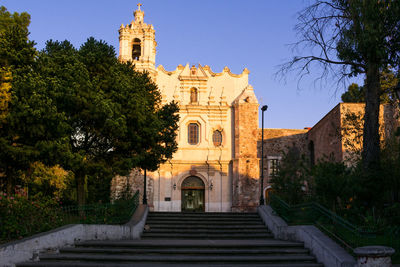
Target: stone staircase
(185,239)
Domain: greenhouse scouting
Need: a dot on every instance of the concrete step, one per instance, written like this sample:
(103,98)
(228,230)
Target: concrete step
(206,226)
(187,239)
(174,213)
(200,222)
(204,219)
(207,231)
(105,264)
(215,244)
(204,215)
(177,258)
(147,235)
(186,251)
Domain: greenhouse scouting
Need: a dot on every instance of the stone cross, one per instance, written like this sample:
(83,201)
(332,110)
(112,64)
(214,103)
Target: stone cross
(139,5)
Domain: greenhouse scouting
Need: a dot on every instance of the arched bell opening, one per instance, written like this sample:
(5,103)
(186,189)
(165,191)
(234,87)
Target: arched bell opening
(136,49)
(192,190)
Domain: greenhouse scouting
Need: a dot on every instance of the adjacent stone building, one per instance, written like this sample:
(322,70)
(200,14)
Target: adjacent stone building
(338,135)
(217,165)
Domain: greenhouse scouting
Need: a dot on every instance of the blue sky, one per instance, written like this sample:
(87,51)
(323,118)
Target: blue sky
(218,33)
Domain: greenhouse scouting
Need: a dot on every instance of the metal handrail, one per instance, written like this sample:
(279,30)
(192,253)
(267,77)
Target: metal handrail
(118,212)
(338,228)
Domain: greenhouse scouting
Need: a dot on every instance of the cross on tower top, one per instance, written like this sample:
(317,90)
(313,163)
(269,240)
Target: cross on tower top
(139,5)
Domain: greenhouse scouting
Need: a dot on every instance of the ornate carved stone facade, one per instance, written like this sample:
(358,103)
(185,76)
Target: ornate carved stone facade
(217,139)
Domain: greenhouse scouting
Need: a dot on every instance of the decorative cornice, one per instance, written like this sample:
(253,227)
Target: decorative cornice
(226,70)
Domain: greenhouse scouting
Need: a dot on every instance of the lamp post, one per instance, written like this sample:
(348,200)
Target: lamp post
(263,108)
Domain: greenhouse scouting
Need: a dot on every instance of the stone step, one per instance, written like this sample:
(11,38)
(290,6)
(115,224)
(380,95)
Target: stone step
(217,219)
(175,213)
(186,251)
(203,222)
(187,239)
(206,215)
(177,258)
(207,231)
(206,226)
(105,264)
(215,244)
(206,235)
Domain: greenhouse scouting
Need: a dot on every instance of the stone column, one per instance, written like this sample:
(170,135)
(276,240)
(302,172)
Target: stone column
(374,256)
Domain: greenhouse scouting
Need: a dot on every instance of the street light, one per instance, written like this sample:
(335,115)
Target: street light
(263,108)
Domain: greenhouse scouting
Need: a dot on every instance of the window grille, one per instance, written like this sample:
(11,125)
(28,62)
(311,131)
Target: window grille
(273,167)
(217,138)
(193,133)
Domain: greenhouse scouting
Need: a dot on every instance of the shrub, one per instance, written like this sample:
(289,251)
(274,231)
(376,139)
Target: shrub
(21,216)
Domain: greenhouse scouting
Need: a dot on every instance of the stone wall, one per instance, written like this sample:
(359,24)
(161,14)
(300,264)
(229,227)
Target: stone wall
(325,136)
(277,142)
(338,135)
(122,186)
(246,171)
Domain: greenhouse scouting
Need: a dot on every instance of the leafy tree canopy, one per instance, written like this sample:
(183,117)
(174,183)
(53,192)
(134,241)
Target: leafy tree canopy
(17,55)
(83,109)
(388,80)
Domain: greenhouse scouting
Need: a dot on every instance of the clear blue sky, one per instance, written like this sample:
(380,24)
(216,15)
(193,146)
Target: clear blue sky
(218,33)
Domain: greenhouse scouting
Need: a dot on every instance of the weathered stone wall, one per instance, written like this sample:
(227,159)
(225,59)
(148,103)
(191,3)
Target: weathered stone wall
(128,185)
(325,136)
(339,134)
(246,171)
(390,115)
(277,142)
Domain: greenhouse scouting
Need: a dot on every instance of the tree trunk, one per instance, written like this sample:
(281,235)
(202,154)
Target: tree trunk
(371,140)
(80,187)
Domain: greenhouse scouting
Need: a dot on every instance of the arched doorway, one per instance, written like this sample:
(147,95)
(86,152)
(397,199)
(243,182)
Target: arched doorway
(192,194)
(267,192)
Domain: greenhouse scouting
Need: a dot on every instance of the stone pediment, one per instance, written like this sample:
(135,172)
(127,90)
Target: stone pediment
(193,73)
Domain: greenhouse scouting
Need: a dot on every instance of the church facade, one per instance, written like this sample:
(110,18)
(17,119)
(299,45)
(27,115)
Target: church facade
(217,165)
(216,168)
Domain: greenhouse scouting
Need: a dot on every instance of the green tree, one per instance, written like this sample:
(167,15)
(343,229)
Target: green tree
(17,55)
(46,181)
(350,38)
(332,184)
(354,94)
(111,118)
(292,182)
(388,80)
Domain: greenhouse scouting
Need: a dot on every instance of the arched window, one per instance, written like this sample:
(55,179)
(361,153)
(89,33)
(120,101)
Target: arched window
(193,95)
(217,138)
(136,49)
(192,182)
(193,133)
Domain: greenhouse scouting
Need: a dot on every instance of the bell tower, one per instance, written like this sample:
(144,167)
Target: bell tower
(137,43)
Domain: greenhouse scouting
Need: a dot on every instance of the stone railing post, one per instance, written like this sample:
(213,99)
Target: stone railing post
(374,256)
